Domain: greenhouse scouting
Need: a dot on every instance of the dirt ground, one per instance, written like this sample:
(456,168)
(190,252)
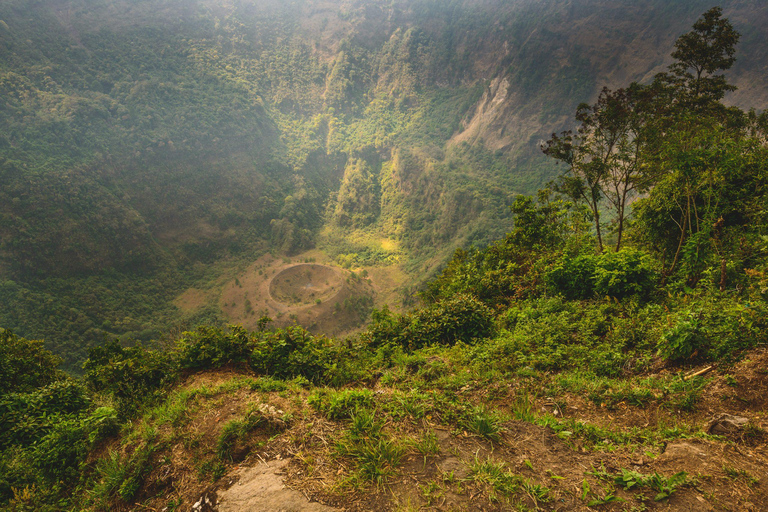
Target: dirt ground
(294,464)
(307,290)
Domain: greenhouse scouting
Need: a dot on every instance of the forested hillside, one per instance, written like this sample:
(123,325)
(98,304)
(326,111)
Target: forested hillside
(149,147)
(607,352)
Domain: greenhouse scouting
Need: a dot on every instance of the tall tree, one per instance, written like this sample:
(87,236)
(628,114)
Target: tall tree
(604,154)
(701,55)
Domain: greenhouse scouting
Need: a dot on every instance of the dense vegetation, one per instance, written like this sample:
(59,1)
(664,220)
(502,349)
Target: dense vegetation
(148,147)
(678,275)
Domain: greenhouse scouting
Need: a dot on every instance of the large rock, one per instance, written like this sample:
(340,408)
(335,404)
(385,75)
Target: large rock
(261,488)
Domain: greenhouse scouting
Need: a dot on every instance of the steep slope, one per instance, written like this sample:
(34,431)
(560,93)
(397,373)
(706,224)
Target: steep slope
(144,143)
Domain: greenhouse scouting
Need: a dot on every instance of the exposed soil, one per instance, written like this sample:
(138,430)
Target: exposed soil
(295,465)
(306,284)
(325,299)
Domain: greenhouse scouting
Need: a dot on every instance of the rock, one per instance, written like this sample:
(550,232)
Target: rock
(688,452)
(724,424)
(261,488)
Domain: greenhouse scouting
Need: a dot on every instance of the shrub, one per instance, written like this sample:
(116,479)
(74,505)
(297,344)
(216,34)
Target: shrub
(25,364)
(682,340)
(26,417)
(131,375)
(57,455)
(573,277)
(210,347)
(717,330)
(292,352)
(461,318)
(623,274)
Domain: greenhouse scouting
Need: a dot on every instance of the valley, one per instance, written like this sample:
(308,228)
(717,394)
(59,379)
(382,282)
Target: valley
(401,255)
(231,130)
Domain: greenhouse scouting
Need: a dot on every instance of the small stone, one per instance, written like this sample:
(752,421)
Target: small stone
(724,424)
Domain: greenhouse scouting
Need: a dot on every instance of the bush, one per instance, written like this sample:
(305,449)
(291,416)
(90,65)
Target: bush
(682,340)
(625,273)
(210,347)
(131,375)
(462,318)
(292,352)
(25,364)
(25,417)
(715,330)
(622,274)
(573,277)
(57,456)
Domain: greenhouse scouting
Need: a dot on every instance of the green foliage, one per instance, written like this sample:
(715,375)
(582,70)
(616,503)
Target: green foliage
(622,274)
(24,364)
(513,267)
(485,424)
(233,431)
(573,276)
(713,328)
(132,375)
(341,404)
(462,318)
(628,272)
(503,481)
(664,486)
(210,347)
(376,456)
(682,340)
(292,352)
(25,417)
(119,477)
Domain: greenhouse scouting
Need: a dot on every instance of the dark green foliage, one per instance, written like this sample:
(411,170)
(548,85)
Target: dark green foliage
(715,330)
(513,267)
(24,364)
(292,352)
(131,375)
(461,318)
(210,347)
(682,340)
(48,428)
(554,334)
(573,276)
(626,273)
(119,477)
(26,417)
(268,384)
